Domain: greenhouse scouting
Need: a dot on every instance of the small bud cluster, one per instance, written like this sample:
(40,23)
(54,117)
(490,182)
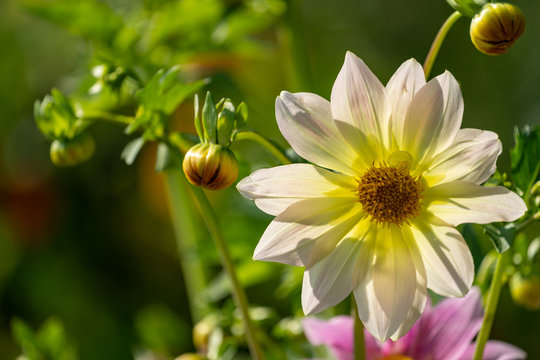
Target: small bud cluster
(57,119)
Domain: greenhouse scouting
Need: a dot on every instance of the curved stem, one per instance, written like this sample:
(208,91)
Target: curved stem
(239,296)
(272,149)
(491,306)
(359,341)
(437,42)
(187,239)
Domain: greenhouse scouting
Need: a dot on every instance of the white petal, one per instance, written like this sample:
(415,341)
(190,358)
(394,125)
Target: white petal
(401,88)
(461,202)
(330,281)
(420,296)
(386,295)
(359,98)
(277,188)
(472,157)
(446,256)
(433,118)
(305,120)
(307,231)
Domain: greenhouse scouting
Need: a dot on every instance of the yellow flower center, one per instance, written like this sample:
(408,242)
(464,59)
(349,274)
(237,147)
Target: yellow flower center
(390,194)
(396,357)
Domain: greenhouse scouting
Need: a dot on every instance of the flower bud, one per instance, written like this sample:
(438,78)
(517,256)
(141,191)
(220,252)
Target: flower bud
(71,152)
(202,331)
(525,290)
(210,166)
(496,27)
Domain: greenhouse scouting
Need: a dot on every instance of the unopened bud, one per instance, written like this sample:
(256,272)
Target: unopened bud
(525,290)
(210,166)
(496,27)
(71,152)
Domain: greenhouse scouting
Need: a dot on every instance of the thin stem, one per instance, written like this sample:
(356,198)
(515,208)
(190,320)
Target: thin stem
(239,296)
(359,345)
(294,38)
(491,306)
(106,116)
(267,144)
(528,193)
(437,42)
(186,240)
(526,223)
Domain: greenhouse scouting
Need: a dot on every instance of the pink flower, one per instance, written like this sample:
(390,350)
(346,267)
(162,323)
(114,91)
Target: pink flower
(445,332)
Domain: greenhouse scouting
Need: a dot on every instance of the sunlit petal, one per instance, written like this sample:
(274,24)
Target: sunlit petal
(461,202)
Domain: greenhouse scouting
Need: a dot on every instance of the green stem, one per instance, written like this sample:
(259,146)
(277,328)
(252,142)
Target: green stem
(106,116)
(491,306)
(267,144)
(295,42)
(186,240)
(528,193)
(239,296)
(359,345)
(526,223)
(437,42)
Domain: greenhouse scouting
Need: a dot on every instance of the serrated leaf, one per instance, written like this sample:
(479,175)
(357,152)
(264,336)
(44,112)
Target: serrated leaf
(131,150)
(165,91)
(209,119)
(525,157)
(501,235)
(90,19)
(178,93)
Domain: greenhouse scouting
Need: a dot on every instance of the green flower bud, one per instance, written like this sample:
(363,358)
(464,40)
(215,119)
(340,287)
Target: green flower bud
(210,166)
(71,152)
(525,290)
(496,27)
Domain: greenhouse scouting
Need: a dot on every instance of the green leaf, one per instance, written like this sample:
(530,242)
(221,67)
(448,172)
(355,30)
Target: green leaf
(468,8)
(163,157)
(225,123)
(131,150)
(501,235)
(178,93)
(52,338)
(55,116)
(198,124)
(165,91)
(241,116)
(525,158)
(91,19)
(209,118)
(24,335)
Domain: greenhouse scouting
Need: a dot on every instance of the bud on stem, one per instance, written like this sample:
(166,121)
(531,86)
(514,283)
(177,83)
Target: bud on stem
(210,166)
(496,27)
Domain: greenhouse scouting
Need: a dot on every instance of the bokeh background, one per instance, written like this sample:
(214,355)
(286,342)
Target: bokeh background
(93,245)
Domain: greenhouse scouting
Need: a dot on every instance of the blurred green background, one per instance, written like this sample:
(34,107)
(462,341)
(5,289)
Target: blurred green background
(93,245)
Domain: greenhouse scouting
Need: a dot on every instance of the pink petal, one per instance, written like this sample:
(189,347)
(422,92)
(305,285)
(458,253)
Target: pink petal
(337,333)
(496,350)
